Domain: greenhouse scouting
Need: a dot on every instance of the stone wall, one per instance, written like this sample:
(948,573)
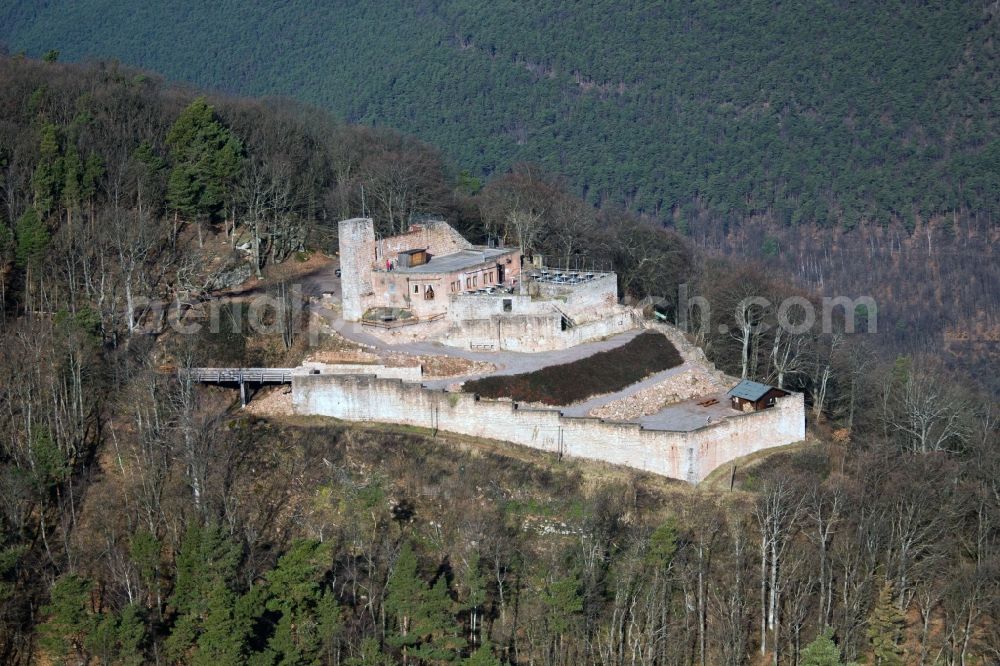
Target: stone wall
(585,300)
(541,329)
(435,236)
(682,455)
(394,289)
(410,373)
(480,306)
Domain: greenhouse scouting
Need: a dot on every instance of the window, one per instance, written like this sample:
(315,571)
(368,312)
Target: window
(508,305)
(429,293)
(416,289)
(468,283)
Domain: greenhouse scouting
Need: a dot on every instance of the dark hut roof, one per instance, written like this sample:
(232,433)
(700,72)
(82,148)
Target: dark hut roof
(749,390)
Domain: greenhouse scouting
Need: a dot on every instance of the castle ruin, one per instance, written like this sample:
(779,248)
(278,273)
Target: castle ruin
(489,298)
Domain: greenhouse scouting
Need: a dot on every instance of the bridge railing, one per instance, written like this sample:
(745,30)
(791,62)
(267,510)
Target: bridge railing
(237,375)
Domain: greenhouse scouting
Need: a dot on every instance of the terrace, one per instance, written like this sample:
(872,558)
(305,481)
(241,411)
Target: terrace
(564,277)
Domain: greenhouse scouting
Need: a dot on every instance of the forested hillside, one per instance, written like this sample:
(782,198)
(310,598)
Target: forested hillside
(830,112)
(146,520)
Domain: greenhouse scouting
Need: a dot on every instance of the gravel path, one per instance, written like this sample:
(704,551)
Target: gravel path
(506,362)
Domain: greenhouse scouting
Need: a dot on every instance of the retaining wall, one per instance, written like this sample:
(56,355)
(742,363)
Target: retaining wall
(681,455)
(410,373)
(583,299)
(536,332)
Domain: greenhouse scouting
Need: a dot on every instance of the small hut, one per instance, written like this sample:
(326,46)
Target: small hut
(749,396)
(412,258)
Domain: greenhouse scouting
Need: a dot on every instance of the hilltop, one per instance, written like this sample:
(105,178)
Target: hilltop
(144,519)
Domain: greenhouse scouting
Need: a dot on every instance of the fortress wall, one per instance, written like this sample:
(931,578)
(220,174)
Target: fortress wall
(682,455)
(743,434)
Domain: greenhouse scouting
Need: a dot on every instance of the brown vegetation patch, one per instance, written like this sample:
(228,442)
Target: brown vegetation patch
(604,372)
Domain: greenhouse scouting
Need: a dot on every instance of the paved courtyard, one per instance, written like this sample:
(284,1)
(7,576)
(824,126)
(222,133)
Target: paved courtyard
(689,414)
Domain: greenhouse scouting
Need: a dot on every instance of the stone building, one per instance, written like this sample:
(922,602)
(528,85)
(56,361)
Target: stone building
(482,298)
(415,273)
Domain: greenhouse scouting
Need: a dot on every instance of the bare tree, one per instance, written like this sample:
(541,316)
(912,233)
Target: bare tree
(778,512)
(929,414)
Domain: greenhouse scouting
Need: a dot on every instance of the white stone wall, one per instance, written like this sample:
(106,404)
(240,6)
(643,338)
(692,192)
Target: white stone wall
(682,455)
(480,306)
(536,332)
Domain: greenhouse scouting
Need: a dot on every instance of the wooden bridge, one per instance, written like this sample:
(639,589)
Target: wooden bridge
(241,377)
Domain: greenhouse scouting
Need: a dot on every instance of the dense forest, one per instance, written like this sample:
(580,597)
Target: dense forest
(146,520)
(832,113)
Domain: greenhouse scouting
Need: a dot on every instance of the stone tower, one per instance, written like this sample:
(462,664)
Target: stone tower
(357,254)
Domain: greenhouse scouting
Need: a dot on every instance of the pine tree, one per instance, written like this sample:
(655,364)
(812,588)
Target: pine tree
(309,616)
(563,599)
(206,568)
(370,655)
(223,641)
(822,651)
(48,176)
(144,549)
(435,624)
(483,656)
(206,156)
(131,635)
(32,239)
(663,544)
(427,629)
(884,626)
(206,556)
(119,638)
(69,625)
(404,595)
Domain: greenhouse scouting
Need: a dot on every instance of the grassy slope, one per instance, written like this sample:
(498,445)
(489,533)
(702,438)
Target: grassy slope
(820,111)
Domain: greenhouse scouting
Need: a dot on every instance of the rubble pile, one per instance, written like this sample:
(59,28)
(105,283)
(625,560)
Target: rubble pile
(685,385)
